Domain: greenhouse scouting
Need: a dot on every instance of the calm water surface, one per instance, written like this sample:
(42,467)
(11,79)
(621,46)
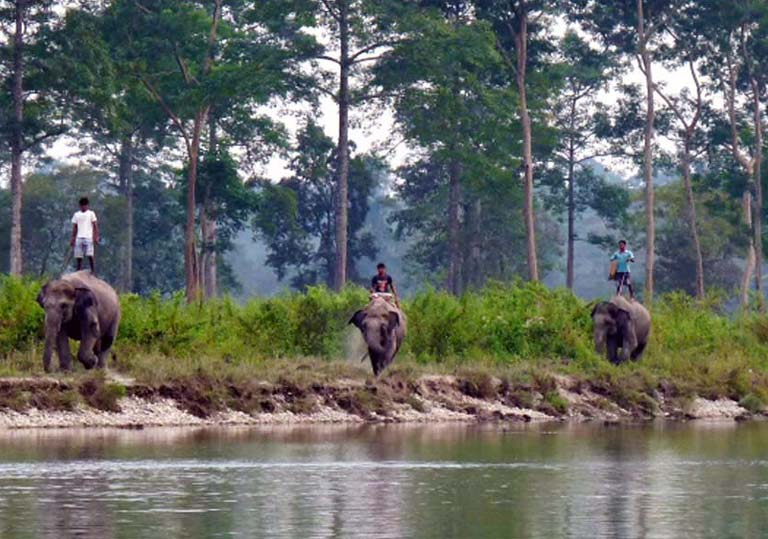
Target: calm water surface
(388,481)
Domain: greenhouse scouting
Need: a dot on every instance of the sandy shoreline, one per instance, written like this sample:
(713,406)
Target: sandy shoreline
(436,399)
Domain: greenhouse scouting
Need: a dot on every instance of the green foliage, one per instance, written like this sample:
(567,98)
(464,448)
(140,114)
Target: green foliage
(507,322)
(522,334)
(21,319)
(296,216)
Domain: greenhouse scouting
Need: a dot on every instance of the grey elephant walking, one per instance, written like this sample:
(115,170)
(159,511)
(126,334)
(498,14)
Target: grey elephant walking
(82,307)
(623,324)
(383,326)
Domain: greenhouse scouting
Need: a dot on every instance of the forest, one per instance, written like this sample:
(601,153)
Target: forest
(465,142)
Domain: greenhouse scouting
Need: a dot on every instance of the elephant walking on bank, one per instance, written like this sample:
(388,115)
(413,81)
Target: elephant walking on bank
(82,307)
(383,326)
(624,324)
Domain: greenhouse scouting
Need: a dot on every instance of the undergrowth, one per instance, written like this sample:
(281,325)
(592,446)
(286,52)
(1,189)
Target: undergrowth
(522,333)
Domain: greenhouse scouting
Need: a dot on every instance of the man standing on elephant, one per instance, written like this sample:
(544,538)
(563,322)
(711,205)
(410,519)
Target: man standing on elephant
(85,234)
(623,258)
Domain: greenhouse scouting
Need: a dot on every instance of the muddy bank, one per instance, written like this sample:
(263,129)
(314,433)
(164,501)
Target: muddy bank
(114,401)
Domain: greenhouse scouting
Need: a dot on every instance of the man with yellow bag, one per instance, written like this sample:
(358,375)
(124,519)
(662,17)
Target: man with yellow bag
(620,272)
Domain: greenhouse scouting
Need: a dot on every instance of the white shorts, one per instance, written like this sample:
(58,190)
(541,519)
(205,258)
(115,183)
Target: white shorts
(83,247)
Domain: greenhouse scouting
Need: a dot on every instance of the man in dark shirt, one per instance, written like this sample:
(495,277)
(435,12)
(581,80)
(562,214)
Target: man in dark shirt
(382,283)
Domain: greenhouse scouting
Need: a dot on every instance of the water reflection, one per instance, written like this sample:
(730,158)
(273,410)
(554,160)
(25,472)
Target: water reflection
(387,481)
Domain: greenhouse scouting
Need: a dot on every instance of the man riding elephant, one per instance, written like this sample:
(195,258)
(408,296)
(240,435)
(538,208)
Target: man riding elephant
(82,307)
(383,326)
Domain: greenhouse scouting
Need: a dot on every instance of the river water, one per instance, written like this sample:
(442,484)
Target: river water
(662,480)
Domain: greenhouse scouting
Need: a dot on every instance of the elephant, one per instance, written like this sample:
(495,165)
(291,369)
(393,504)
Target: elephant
(621,323)
(79,306)
(383,326)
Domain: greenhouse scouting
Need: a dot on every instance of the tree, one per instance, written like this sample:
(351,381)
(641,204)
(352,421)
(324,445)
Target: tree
(23,131)
(520,27)
(736,43)
(441,78)
(108,107)
(585,72)
(688,108)
(634,28)
(296,216)
(225,204)
(358,31)
(172,48)
(720,238)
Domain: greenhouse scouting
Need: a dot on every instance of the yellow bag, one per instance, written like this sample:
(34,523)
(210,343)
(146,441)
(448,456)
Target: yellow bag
(612,271)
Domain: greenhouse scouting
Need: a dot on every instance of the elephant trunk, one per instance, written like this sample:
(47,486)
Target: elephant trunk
(600,339)
(380,349)
(52,329)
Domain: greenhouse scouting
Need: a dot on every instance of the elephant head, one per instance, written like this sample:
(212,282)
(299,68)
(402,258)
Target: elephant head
(70,312)
(381,326)
(613,328)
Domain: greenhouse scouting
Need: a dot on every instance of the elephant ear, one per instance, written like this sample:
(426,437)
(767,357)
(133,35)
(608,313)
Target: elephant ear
(357,319)
(84,299)
(41,295)
(600,305)
(393,320)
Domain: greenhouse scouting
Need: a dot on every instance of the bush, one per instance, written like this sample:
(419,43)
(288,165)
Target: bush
(693,344)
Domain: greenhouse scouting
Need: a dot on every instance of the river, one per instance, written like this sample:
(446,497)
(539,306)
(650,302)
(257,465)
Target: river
(660,480)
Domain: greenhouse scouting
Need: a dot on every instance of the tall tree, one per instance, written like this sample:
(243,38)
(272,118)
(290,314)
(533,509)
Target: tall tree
(521,33)
(634,28)
(225,204)
(441,78)
(297,215)
(358,31)
(109,109)
(24,21)
(191,56)
(172,46)
(644,35)
(737,43)
(585,72)
(686,50)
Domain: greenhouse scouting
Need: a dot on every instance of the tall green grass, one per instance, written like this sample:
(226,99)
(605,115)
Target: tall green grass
(502,324)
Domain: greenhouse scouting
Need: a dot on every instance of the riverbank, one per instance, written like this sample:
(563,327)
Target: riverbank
(405,394)
(517,352)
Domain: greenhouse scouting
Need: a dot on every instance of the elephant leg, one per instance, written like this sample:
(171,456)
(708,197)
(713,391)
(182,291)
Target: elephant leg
(637,353)
(103,352)
(613,349)
(63,350)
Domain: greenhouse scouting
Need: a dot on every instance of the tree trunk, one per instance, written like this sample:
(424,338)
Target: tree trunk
(191,269)
(126,188)
(342,187)
(208,229)
(758,201)
(17,142)
(650,245)
(477,274)
(521,39)
(692,219)
(208,259)
(749,267)
(571,209)
(453,279)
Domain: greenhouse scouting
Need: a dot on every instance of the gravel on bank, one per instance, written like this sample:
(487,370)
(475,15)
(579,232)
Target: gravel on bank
(438,399)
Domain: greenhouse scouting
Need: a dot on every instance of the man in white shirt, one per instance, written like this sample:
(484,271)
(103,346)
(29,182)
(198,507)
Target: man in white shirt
(85,234)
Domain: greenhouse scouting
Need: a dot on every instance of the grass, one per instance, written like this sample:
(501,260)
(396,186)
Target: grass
(521,334)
